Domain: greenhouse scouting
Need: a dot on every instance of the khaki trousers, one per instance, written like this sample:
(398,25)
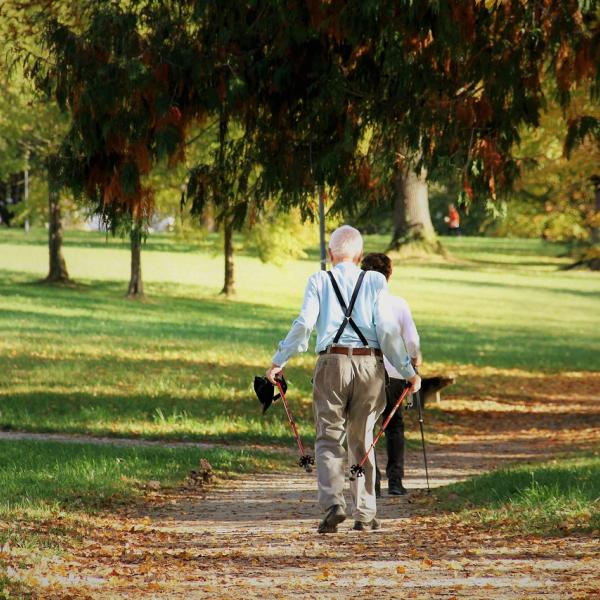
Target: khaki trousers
(348,397)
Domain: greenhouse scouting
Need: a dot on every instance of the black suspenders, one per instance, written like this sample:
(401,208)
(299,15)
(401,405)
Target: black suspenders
(348,310)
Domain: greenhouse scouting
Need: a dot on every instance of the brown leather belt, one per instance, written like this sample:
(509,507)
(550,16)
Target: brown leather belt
(352,351)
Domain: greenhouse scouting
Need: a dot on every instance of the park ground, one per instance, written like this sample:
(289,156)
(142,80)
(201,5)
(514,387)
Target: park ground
(108,405)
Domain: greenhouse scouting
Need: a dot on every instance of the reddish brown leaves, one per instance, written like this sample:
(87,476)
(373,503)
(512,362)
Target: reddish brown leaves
(141,156)
(463,13)
(585,63)
(564,66)
(161,74)
(467,187)
(324,17)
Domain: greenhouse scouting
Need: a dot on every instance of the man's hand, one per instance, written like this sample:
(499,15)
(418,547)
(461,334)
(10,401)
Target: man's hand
(415,381)
(273,372)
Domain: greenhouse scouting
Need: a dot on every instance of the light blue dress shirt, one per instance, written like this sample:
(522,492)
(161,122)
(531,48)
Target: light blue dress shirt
(372,314)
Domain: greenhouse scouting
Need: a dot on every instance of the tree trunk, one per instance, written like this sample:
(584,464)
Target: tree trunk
(136,285)
(207,219)
(58,268)
(412,224)
(595,232)
(229,285)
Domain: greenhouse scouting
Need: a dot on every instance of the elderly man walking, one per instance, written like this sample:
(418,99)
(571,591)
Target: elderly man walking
(355,326)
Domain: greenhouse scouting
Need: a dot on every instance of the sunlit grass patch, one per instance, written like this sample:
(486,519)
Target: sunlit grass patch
(40,476)
(559,496)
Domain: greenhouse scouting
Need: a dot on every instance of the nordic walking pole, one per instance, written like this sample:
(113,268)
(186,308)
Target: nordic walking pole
(418,394)
(357,470)
(306,461)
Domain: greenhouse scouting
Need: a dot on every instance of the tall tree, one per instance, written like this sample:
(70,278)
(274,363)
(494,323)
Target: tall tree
(32,127)
(32,130)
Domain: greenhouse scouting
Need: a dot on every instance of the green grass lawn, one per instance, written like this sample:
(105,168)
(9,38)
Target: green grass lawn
(181,364)
(43,478)
(559,496)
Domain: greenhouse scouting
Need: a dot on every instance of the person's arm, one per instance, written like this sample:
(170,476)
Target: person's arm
(410,335)
(299,335)
(390,339)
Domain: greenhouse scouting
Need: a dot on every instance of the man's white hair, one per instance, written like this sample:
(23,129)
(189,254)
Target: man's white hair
(346,242)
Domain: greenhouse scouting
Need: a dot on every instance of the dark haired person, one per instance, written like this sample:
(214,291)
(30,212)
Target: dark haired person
(394,434)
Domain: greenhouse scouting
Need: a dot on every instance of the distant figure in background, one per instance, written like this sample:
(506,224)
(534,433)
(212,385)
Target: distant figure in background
(453,220)
(394,434)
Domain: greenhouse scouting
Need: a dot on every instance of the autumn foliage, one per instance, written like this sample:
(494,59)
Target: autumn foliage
(325,92)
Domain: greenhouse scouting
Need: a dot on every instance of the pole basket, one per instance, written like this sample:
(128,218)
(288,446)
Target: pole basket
(356,471)
(307,462)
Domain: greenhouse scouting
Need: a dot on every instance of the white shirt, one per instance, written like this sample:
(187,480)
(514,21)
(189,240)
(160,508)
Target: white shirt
(372,314)
(408,331)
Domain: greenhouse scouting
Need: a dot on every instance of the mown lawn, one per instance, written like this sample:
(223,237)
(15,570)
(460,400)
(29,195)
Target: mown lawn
(181,364)
(560,496)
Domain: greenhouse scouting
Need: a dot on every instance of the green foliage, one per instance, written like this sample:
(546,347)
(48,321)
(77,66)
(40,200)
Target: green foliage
(526,218)
(555,196)
(278,238)
(31,127)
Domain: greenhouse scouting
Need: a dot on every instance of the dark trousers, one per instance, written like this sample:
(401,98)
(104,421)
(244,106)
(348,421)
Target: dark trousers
(394,434)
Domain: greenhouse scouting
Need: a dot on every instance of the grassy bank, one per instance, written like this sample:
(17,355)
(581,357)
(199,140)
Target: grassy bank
(557,497)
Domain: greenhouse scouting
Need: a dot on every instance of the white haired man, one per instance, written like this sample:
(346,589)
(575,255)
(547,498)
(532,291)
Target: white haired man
(355,326)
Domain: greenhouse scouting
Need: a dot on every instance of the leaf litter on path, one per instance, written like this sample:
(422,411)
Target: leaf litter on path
(256,537)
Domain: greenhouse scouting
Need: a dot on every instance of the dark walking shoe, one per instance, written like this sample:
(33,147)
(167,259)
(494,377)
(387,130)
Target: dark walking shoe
(395,488)
(335,515)
(372,525)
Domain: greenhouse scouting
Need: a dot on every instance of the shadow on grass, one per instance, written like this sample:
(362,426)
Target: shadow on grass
(163,418)
(217,322)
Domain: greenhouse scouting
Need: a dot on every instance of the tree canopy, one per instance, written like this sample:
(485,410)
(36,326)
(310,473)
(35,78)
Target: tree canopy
(325,92)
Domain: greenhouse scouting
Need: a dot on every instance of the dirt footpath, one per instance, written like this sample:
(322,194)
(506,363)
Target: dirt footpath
(255,538)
